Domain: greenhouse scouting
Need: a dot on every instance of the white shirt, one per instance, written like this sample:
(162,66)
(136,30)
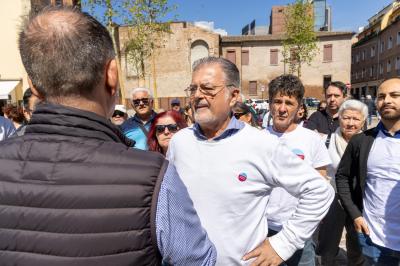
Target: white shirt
(382,192)
(308,146)
(230,181)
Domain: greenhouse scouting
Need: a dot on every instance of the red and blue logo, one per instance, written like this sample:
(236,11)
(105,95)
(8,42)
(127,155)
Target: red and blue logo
(299,153)
(242,177)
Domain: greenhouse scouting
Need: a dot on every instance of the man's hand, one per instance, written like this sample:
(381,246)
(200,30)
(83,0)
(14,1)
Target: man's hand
(265,254)
(360,225)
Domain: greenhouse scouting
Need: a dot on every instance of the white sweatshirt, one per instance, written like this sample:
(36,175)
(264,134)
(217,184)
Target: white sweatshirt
(230,181)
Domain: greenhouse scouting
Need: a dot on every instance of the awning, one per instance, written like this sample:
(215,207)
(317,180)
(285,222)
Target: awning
(7,86)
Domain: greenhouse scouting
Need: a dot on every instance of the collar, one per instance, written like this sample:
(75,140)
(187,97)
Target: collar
(382,128)
(233,127)
(138,120)
(325,113)
(49,118)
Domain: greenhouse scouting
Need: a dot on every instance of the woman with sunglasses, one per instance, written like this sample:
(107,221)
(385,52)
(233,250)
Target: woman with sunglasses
(242,112)
(164,126)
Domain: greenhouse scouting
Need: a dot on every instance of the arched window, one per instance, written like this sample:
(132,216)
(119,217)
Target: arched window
(199,49)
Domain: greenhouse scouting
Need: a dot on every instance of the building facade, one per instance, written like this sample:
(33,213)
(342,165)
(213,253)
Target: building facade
(258,58)
(376,53)
(13,78)
(173,62)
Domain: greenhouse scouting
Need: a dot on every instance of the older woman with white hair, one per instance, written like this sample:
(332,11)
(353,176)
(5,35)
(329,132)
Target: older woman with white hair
(352,117)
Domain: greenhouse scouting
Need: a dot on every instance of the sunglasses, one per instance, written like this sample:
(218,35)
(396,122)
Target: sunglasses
(238,115)
(145,101)
(171,128)
(118,113)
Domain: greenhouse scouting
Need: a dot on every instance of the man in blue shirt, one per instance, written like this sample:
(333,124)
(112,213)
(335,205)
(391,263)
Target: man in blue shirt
(137,127)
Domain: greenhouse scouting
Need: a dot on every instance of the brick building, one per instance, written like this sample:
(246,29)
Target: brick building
(173,62)
(376,53)
(259,59)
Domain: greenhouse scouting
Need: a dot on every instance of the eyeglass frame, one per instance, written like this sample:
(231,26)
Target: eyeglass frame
(191,92)
(159,131)
(145,101)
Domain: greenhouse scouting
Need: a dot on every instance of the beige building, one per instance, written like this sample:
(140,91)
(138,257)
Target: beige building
(258,57)
(173,62)
(12,74)
(13,78)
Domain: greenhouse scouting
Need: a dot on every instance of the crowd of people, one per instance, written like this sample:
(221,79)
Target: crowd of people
(84,183)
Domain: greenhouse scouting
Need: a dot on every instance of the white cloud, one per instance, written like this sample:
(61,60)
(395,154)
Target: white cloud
(209,25)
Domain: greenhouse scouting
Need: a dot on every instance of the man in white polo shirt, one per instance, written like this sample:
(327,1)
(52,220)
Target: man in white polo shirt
(368,180)
(230,169)
(285,96)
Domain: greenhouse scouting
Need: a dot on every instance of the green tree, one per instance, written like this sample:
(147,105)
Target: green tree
(300,41)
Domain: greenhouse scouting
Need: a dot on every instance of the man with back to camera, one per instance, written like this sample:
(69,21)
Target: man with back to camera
(230,169)
(72,190)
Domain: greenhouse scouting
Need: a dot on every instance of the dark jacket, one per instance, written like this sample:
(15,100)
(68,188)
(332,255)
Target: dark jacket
(72,192)
(352,172)
(322,122)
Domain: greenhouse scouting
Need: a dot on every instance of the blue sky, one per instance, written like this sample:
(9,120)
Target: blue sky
(232,15)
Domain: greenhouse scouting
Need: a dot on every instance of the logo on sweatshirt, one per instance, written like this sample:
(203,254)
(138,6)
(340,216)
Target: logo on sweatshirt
(242,177)
(299,153)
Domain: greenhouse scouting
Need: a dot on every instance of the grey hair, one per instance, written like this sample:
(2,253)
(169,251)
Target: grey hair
(354,105)
(141,89)
(231,72)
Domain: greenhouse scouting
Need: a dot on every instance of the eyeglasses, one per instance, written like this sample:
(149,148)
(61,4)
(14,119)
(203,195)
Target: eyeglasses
(238,115)
(118,113)
(171,128)
(137,102)
(206,90)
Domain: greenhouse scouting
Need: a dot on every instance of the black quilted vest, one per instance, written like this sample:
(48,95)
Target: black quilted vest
(72,192)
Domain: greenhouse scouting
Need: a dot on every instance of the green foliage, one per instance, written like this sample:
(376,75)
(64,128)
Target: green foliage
(147,31)
(145,17)
(300,42)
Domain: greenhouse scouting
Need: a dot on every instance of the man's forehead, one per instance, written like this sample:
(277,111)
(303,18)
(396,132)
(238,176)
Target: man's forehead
(281,94)
(207,73)
(390,86)
(333,90)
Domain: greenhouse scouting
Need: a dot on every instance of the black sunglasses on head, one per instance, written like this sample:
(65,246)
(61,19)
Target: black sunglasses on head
(118,113)
(145,101)
(171,128)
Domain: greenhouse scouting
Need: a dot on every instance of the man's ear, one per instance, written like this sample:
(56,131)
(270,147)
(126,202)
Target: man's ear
(111,77)
(235,93)
(34,90)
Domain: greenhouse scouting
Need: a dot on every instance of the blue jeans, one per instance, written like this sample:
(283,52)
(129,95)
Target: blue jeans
(377,255)
(302,257)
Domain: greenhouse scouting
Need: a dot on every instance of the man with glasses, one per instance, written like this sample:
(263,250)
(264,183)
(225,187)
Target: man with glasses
(137,127)
(230,169)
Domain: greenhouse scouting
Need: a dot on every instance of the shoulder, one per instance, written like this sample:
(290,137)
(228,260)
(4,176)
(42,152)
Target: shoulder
(309,133)
(128,124)
(5,122)
(317,115)
(361,137)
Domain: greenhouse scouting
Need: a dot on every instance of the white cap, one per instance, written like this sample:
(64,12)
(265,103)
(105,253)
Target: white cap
(120,107)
